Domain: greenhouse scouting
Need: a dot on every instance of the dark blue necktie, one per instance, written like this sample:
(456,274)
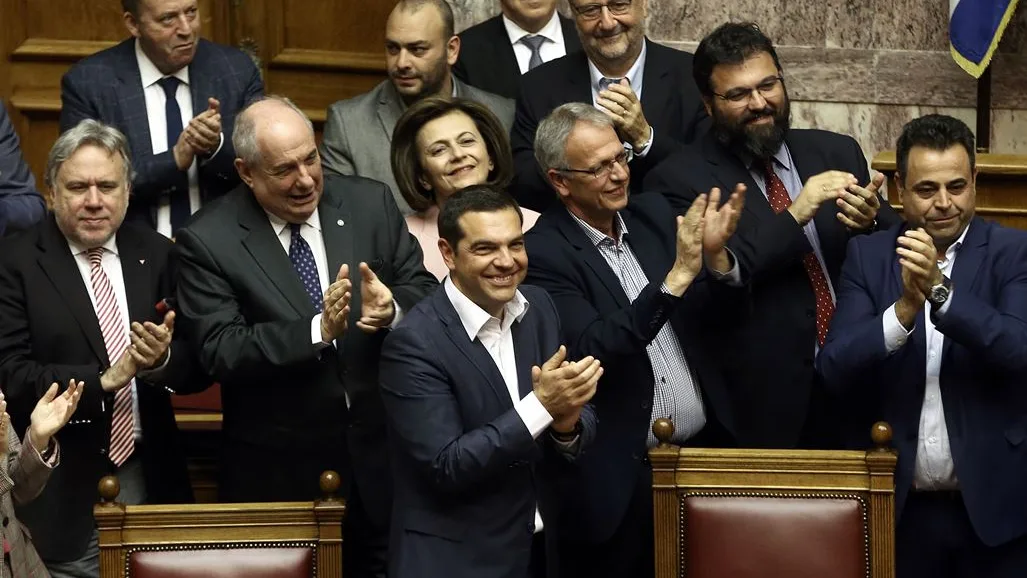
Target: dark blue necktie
(303,261)
(604,82)
(173,118)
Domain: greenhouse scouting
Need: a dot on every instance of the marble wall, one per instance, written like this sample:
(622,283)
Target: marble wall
(861,67)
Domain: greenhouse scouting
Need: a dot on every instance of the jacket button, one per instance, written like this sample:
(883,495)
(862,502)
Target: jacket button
(103,452)
(646,405)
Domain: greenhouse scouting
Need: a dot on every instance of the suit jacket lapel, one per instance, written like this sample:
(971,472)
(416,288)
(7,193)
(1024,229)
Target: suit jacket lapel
(474,351)
(525,349)
(503,57)
(336,230)
(571,42)
(131,101)
(645,244)
(390,108)
(968,261)
(579,88)
(655,90)
(590,255)
(135,269)
(728,170)
(199,81)
(809,161)
(59,265)
(260,240)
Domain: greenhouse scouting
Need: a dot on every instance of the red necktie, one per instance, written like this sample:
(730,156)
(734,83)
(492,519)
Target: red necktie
(779,201)
(115,338)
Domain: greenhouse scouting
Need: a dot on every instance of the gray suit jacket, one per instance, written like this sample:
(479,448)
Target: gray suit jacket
(358,132)
(22,477)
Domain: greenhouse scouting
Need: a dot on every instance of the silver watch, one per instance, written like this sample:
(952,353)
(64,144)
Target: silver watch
(940,292)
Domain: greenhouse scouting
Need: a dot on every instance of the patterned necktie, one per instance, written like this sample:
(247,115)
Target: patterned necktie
(303,261)
(115,339)
(779,201)
(605,83)
(534,43)
(173,118)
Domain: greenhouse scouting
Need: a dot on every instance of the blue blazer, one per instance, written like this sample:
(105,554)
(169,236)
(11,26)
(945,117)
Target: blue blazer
(983,368)
(107,87)
(20,204)
(598,319)
(468,474)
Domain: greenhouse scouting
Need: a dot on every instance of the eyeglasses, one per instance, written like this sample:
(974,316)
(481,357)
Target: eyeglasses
(603,169)
(741,96)
(592,11)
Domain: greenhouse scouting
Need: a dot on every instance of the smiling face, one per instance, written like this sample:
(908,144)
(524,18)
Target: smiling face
(90,196)
(938,192)
(452,154)
(286,179)
(613,38)
(168,31)
(758,124)
(593,200)
(489,262)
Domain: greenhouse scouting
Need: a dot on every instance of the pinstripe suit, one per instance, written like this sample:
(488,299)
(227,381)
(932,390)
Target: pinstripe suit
(107,87)
(22,476)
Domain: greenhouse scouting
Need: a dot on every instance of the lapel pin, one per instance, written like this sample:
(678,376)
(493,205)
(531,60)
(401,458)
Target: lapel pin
(340,222)
(142,261)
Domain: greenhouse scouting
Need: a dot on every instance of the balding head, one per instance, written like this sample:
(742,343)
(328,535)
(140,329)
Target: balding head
(277,158)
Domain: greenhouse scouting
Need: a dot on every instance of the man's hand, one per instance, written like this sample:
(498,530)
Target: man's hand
(563,387)
(204,131)
(183,152)
(620,104)
(689,240)
(52,413)
(858,206)
(5,421)
(917,253)
(150,343)
(826,186)
(720,223)
(335,310)
(376,306)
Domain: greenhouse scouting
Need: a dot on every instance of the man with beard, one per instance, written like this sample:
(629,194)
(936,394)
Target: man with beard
(645,88)
(806,193)
(420,48)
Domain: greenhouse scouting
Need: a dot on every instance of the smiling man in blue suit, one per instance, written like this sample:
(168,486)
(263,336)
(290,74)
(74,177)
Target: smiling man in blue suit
(485,413)
(930,334)
(175,96)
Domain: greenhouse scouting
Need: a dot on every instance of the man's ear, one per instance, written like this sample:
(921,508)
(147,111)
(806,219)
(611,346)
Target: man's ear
(131,24)
(244,171)
(448,254)
(558,181)
(453,50)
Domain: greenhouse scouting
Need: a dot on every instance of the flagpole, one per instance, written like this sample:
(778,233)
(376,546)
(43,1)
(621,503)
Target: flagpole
(984,111)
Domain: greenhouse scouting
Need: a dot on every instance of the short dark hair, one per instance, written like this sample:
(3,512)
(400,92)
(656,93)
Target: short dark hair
(406,162)
(445,11)
(130,6)
(473,199)
(937,132)
(730,43)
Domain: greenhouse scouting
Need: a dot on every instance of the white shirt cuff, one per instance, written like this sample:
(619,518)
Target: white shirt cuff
(533,414)
(221,143)
(895,335)
(315,333)
(733,277)
(398,316)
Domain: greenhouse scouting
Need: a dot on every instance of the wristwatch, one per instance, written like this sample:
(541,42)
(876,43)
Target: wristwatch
(940,292)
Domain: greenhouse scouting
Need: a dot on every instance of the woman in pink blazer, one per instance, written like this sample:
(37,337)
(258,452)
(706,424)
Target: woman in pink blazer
(440,146)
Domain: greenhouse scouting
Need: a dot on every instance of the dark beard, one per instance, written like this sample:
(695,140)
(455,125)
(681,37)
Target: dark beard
(761,142)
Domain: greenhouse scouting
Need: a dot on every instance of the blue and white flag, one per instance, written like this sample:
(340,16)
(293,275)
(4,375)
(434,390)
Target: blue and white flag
(975,27)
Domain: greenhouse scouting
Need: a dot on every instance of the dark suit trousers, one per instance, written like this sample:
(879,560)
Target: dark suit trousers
(935,539)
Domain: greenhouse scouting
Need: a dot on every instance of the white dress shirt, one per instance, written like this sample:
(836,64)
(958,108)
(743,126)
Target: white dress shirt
(155,99)
(934,468)
(497,337)
(634,76)
(553,48)
(111,264)
(311,233)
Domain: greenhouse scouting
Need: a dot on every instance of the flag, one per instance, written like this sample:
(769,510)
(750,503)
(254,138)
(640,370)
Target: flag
(975,27)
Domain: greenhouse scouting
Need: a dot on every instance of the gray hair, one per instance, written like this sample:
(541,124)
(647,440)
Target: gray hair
(88,132)
(244,132)
(553,131)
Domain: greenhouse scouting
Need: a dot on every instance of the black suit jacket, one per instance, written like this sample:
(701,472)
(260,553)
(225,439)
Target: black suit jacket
(597,319)
(767,346)
(245,307)
(50,333)
(107,87)
(468,473)
(670,101)
(487,58)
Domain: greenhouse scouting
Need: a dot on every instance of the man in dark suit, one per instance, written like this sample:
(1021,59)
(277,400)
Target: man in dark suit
(485,410)
(420,47)
(21,206)
(175,96)
(645,88)
(77,295)
(931,336)
(627,281)
(806,193)
(527,34)
(265,293)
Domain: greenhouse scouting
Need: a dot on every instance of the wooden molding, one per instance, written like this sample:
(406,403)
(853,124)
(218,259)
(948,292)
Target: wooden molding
(35,103)
(330,60)
(987,163)
(54,49)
